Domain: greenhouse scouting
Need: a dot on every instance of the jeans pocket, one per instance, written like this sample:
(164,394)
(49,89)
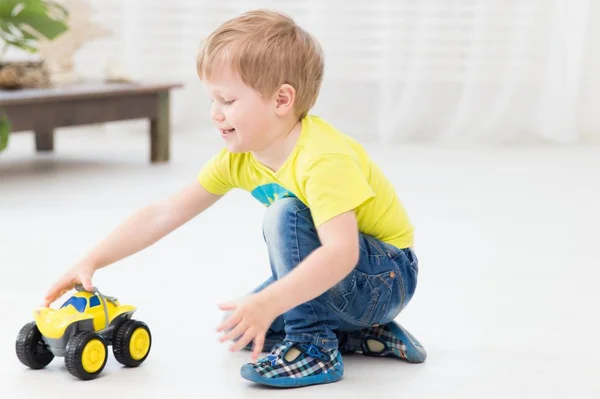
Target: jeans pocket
(408,265)
(374,247)
(364,299)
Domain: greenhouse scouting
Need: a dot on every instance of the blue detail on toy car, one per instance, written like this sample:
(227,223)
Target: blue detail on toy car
(94,301)
(77,303)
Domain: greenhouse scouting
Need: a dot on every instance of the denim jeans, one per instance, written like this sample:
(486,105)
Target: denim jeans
(377,289)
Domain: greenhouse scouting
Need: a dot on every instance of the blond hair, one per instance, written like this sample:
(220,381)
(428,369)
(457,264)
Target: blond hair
(268,49)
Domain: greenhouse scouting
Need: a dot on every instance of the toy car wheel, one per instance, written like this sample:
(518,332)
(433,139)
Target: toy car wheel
(86,355)
(31,349)
(132,342)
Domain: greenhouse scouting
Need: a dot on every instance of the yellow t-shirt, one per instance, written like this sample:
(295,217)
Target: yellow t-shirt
(330,172)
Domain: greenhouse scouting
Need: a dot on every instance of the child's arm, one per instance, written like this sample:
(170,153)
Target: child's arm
(317,273)
(142,229)
(322,269)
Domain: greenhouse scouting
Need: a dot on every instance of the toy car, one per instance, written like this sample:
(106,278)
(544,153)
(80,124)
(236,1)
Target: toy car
(80,331)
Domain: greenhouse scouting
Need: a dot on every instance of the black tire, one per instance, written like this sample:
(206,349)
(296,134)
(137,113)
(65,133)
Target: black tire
(74,355)
(122,342)
(31,349)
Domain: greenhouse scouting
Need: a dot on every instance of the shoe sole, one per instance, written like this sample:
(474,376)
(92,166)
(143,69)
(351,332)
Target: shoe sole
(288,382)
(415,353)
(333,375)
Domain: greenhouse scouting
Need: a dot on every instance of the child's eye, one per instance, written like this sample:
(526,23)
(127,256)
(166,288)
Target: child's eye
(228,102)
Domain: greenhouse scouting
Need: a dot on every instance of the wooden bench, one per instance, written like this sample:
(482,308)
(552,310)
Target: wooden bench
(43,110)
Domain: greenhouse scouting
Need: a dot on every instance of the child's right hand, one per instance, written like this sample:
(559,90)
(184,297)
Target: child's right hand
(79,274)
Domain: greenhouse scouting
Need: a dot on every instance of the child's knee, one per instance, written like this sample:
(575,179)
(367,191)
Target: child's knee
(280,216)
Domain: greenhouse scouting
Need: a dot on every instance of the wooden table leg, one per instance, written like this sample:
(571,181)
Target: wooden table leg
(44,139)
(160,130)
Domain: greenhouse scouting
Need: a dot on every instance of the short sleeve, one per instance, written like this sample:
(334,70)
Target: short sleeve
(335,184)
(215,175)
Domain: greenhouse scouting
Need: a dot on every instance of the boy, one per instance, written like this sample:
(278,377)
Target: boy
(339,240)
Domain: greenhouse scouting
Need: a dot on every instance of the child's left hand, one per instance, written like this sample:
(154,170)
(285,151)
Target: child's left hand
(250,320)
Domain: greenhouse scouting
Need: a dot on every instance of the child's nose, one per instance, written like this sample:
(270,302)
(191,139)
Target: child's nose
(215,113)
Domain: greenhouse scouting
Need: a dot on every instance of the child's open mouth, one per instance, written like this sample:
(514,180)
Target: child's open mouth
(228,131)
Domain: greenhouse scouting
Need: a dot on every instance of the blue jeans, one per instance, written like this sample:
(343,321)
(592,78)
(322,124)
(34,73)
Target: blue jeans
(377,289)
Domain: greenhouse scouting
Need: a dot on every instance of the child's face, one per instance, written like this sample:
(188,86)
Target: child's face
(246,120)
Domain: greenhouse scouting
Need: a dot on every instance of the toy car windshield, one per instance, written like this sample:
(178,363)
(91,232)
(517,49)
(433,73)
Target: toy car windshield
(78,304)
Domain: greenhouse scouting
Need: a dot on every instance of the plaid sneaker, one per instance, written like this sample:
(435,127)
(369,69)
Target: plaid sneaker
(389,340)
(292,364)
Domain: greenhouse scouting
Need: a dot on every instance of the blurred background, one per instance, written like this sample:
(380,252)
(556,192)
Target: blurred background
(430,70)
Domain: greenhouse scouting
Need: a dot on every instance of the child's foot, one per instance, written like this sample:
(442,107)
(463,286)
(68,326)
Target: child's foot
(389,340)
(294,365)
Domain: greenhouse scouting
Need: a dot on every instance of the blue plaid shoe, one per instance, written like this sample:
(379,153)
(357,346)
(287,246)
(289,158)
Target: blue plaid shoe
(389,340)
(292,364)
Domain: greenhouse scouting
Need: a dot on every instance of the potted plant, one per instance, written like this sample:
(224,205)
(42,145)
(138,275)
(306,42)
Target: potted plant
(4,131)
(22,24)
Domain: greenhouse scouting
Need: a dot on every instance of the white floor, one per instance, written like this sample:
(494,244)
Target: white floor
(507,298)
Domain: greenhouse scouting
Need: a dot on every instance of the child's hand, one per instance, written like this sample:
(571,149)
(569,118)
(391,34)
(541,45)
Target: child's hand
(250,320)
(79,274)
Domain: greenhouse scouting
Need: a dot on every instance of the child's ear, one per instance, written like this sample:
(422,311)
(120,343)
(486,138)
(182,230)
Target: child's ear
(285,98)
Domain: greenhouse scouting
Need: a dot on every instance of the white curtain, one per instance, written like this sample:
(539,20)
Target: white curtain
(491,71)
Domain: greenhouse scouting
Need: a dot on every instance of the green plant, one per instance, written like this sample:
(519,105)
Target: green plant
(4,130)
(22,24)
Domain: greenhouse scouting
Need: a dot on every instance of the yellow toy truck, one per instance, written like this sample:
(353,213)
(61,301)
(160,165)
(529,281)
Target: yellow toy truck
(81,331)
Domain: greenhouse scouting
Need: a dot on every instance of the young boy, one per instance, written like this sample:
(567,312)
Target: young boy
(339,240)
